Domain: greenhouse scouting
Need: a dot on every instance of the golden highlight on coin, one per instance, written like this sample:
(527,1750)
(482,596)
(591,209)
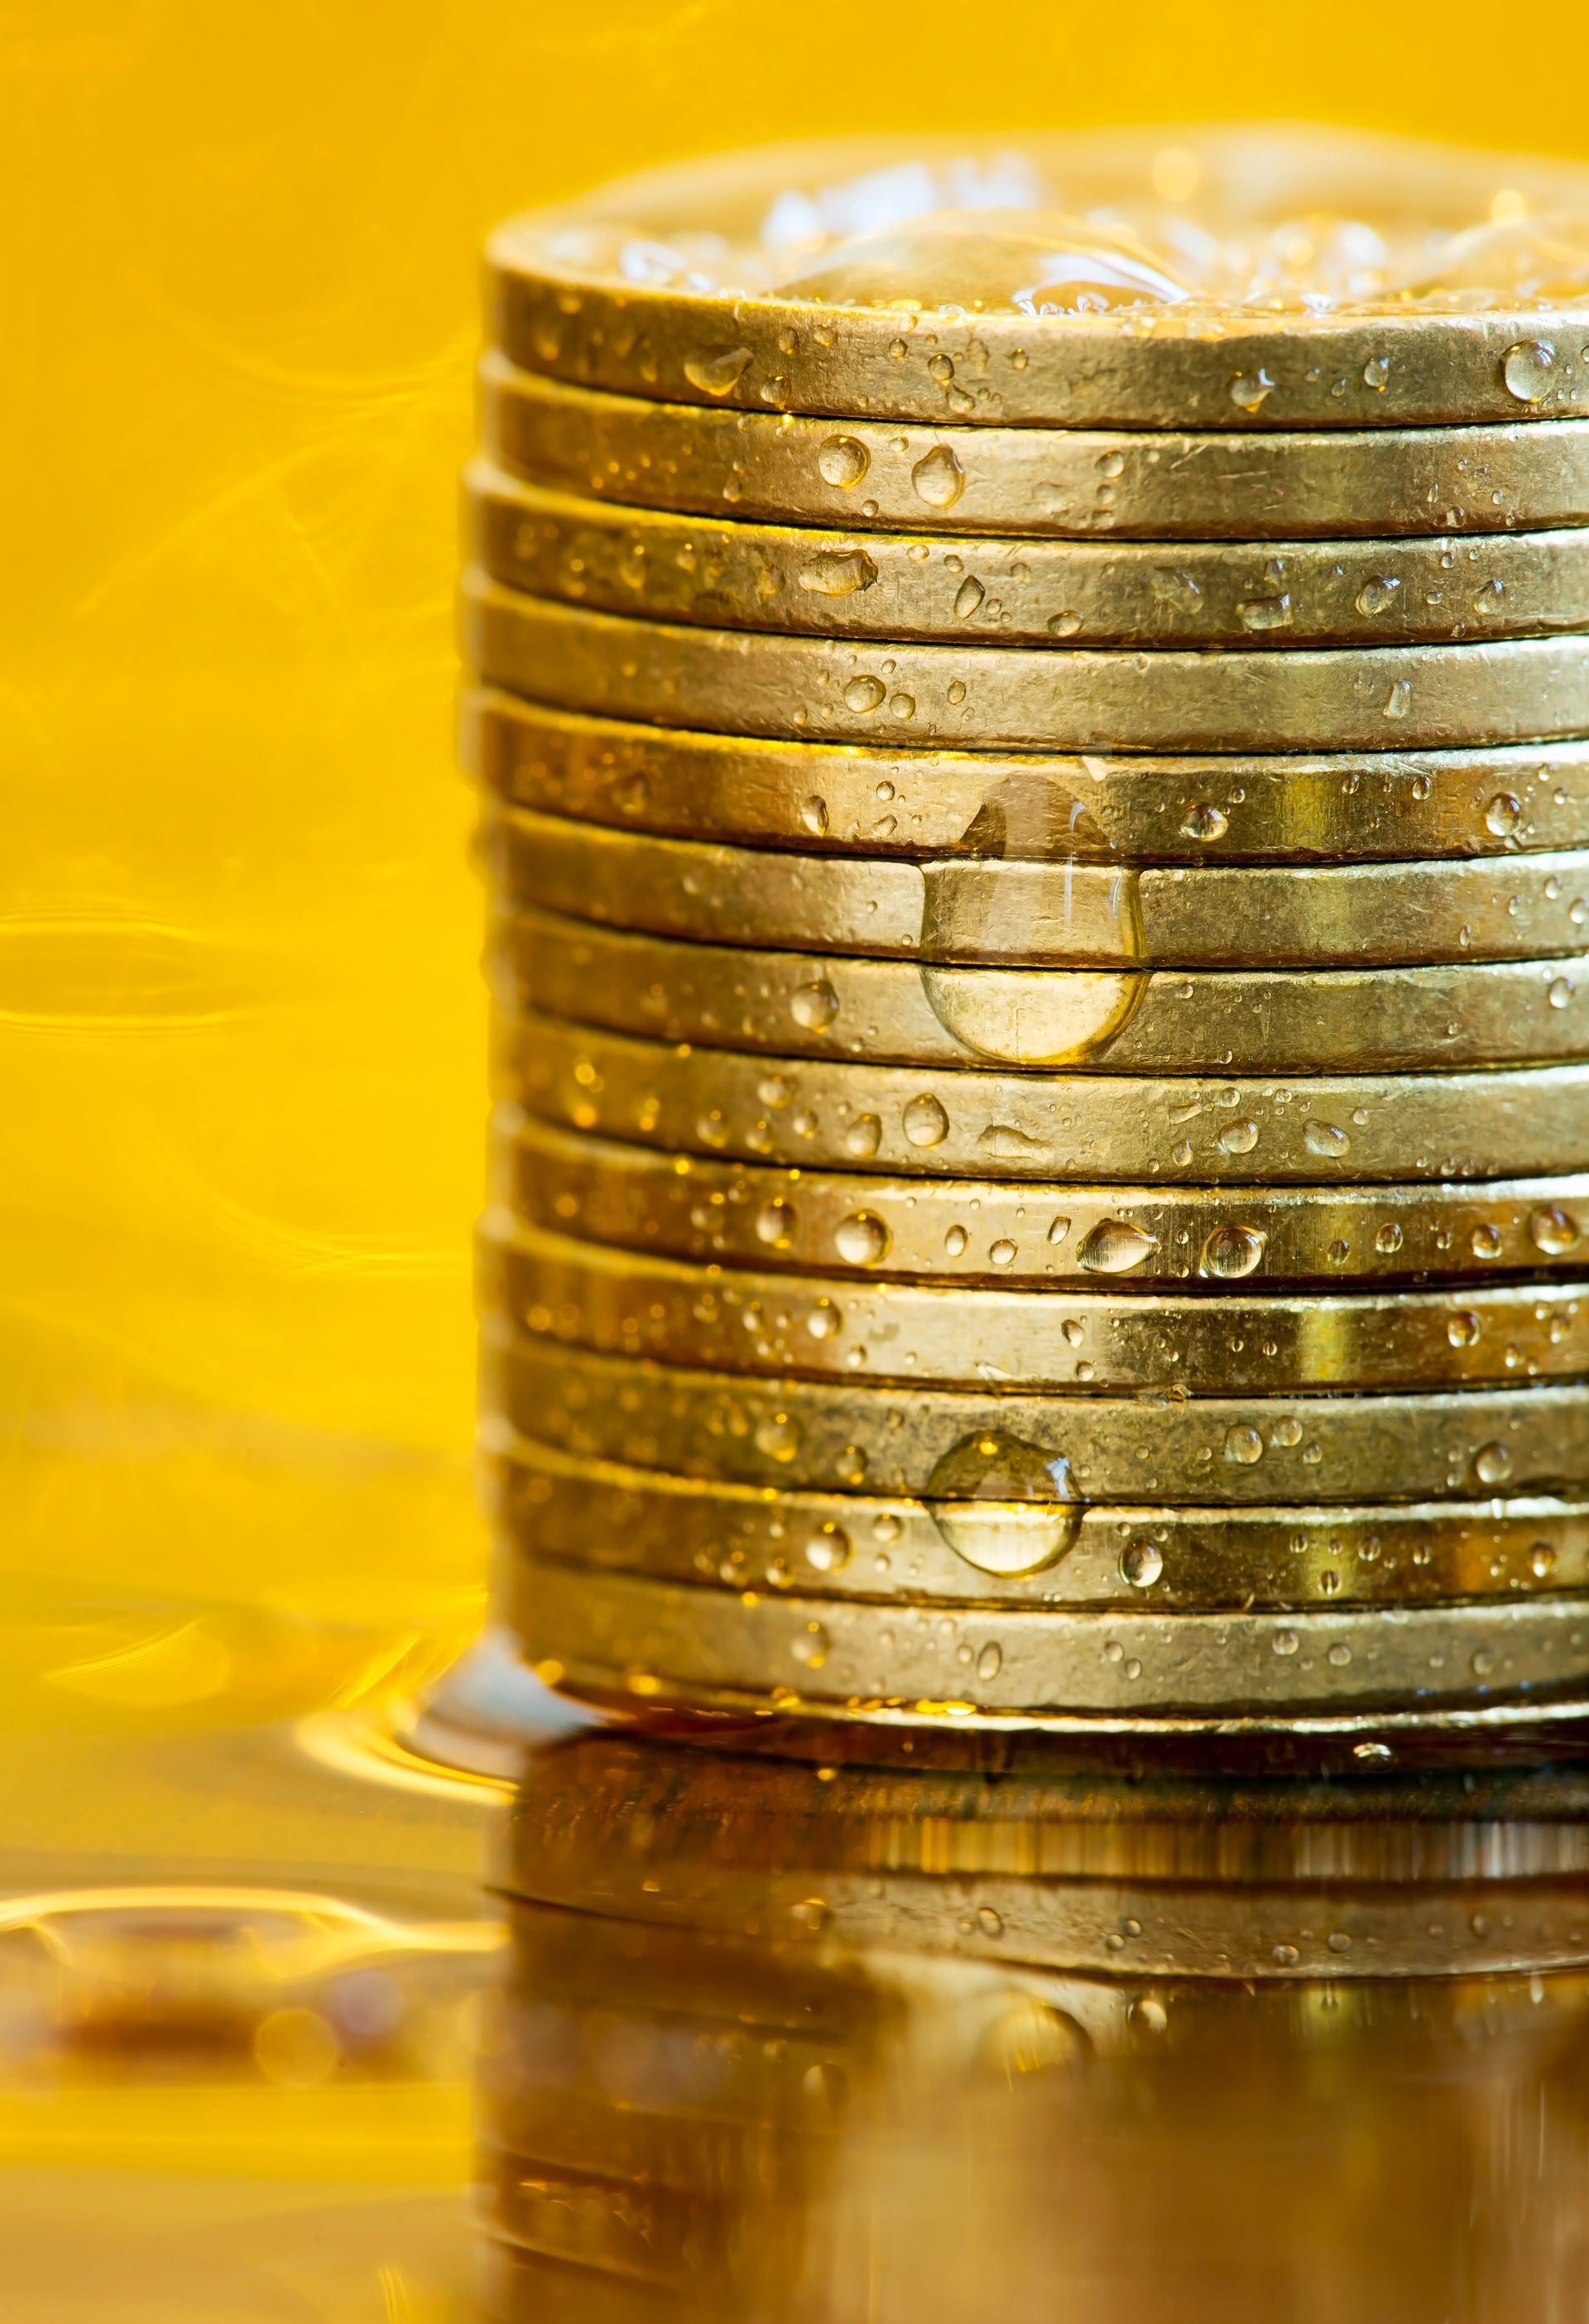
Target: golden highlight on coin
(664,566)
(1295,1022)
(1183,1128)
(1013,1443)
(988,1230)
(602,1516)
(967,910)
(621,1636)
(1052,698)
(888,799)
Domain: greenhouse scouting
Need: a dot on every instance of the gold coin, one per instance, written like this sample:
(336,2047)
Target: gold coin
(904,477)
(828,1326)
(619,1636)
(854,583)
(606,1517)
(1331,1129)
(974,912)
(893,801)
(1059,698)
(990,1231)
(1220,1452)
(1302,1021)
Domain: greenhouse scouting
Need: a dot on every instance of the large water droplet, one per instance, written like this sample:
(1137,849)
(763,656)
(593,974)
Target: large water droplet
(1244,1445)
(1238,1137)
(989,1662)
(810,1645)
(1031,1016)
(1559,993)
(1463,1328)
(1327,1139)
(968,597)
(1492,1464)
(1376,597)
(1250,390)
(838,572)
(815,1006)
(814,817)
(1115,1246)
(1503,815)
(777,1436)
(1265,612)
(863,694)
(1141,1563)
(1003,1505)
(717,371)
(863,1137)
(1398,701)
(862,1238)
(1528,369)
(1205,821)
(1552,1231)
(827,1550)
(938,478)
(843,461)
(924,1122)
(1232,1251)
(775,1224)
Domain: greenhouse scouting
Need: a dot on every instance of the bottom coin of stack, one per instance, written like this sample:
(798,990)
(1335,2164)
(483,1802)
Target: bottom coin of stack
(782,2043)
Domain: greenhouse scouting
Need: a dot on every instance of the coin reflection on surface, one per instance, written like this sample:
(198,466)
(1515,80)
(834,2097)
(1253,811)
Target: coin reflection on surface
(787,2041)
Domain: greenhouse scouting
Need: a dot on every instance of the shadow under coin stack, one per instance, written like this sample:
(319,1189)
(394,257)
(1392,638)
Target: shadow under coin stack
(1032,713)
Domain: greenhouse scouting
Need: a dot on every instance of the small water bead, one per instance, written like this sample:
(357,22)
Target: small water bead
(1484,1662)
(1259,614)
(1238,1137)
(1231,1252)
(1338,1253)
(1002,1253)
(804,1123)
(886,1528)
(1204,822)
(828,1549)
(837,573)
(814,1006)
(956,1240)
(775,1224)
(924,1122)
(990,1660)
(862,1238)
(1492,1464)
(902,706)
(1327,1139)
(1074,1332)
(1244,1445)
(1250,390)
(1487,1242)
(1339,1655)
(968,597)
(957,692)
(938,478)
(774,1090)
(1387,1239)
(1398,701)
(1064,625)
(1542,1561)
(1177,590)
(777,1436)
(1490,597)
(1058,1229)
(824,1321)
(1113,1246)
(717,371)
(1560,994)
(1376,597)
(1286,1433)
(863,1136)
(1462,1329)
(843,461)
(1141,1563)
(1552,1231)
(1527,369)
(1286,1642)
(864,694)
(810,1645)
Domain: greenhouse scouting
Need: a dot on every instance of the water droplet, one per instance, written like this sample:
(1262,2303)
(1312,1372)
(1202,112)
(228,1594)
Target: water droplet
(1376,371)
(1003,1505)
(1339,1655)
(810,1645)
(1486,1242)
(1484,1662)
(1265,612)
(814,817)
(1115,1246)
(968,597)
(938,478)
(1285,1956)
(863,1137)
(717,371)
(777,1436)
(987,1920)
(1378,595)
(956,1240)
(1141,1562)
(1503,815)
(843,461)
(837,573)
(1205,821)
(1542,1561)
(990,1660)
(828,1549)
(1492,1464)
(903,706)
(1002,1253)
(1286,1642)
(1064,625)
(864,694)
(1327,1139)
(1388,1241)
(1250,390)
(1232,1251)
(1179,590)
(1398,701)
(862,1238)
(1243,1445)
(775,1224)
(1560,993)
(1552,1231)
(1238,1137)
(1058,1229)
(924,1122)
(823,1320)
(814,1006)
(1527,370)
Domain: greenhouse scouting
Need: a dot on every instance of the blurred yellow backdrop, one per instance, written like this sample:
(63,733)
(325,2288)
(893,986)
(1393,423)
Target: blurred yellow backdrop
(240,1028)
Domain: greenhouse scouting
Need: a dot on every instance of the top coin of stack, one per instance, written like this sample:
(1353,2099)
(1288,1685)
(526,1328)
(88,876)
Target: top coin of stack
(1033,709)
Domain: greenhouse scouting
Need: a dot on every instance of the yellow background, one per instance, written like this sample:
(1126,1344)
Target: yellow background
(240,1027)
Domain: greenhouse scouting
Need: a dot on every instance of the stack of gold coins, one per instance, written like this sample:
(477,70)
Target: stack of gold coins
(1033,713)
